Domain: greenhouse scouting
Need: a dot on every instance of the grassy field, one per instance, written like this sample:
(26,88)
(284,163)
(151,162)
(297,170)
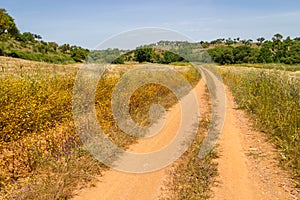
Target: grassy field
(272,98)
(40,152)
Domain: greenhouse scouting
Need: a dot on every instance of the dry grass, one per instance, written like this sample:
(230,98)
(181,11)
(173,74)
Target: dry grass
(271,97)
(41,156)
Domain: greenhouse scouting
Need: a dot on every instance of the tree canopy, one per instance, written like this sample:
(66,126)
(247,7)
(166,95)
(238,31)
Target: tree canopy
(7,24)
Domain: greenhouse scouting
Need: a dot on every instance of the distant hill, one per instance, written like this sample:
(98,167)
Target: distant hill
(223,51)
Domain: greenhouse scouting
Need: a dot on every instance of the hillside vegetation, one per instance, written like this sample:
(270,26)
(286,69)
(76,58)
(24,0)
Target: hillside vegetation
(236,51)
(30,46)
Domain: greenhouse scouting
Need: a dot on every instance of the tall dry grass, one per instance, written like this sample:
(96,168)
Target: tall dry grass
(272,98)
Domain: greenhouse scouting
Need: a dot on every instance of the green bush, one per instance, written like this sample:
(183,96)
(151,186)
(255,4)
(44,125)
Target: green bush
(143,54)
(169,57)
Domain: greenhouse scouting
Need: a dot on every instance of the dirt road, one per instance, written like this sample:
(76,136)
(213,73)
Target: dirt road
(119,185)
(248,164)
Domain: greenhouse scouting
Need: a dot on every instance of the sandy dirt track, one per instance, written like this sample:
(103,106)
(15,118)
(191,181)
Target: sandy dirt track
(247,164)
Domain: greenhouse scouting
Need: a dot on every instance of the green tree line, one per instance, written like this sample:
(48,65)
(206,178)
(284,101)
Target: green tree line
(221,51)
(237,50)
(140,54)
(277,50)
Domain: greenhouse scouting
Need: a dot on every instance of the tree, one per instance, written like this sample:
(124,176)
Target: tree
(7,24)
(37,37)
(79,54)
(205,45)
(247,42)
(26,37)
(64,48)
(217,41)
(265,54)
(118,60)
(260,41)
(227,56)
(245,54)
(277,37)
(291,51)
(170,57)
(144,54)
(229,42)
(222,55)
(277,47)
(294,53)
(53,46)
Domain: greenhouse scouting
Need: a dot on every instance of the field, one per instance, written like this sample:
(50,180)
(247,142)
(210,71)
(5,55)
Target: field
(41,152)
(149,113)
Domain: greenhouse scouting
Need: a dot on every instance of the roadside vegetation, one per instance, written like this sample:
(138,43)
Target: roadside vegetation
(271,97)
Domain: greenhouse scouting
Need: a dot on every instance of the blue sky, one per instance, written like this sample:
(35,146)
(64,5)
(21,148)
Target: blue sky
(89,22)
